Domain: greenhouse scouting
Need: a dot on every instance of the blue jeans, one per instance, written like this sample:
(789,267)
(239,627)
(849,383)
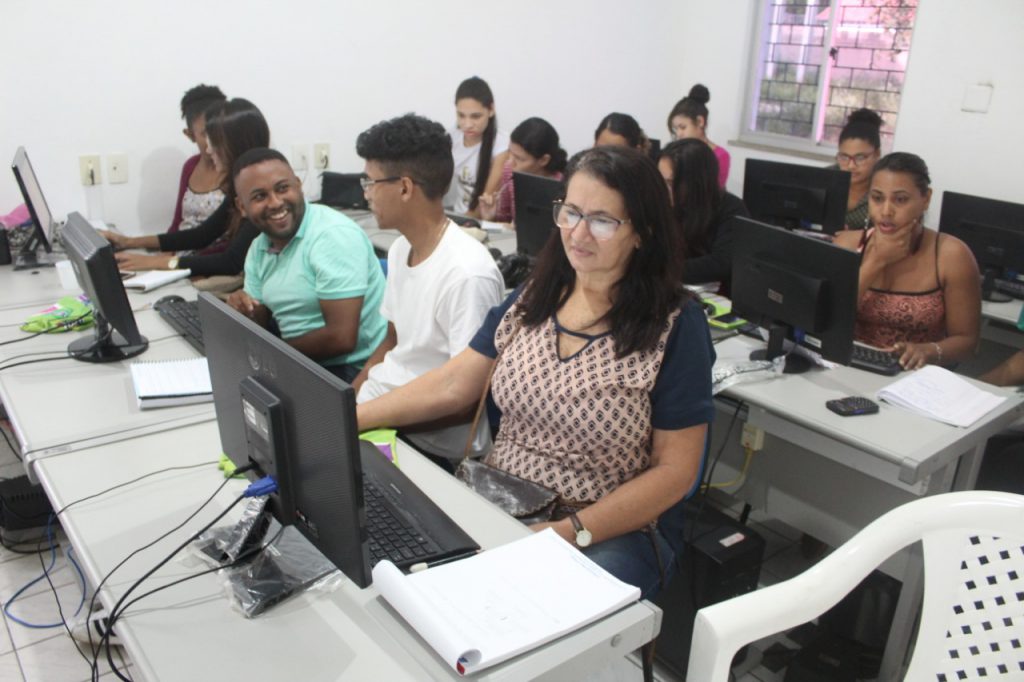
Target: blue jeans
(632,559)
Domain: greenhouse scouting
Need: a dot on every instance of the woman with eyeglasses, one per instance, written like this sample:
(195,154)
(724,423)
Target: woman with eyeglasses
(703,211)
(232,128)
(920,293)
(689,120)
(475,142)
(859,149)
(601,370)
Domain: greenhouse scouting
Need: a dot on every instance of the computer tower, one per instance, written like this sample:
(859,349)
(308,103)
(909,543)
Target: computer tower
(722,559)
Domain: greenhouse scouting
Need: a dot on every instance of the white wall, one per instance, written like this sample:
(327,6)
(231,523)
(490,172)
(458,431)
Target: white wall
(103,77)
(955,44)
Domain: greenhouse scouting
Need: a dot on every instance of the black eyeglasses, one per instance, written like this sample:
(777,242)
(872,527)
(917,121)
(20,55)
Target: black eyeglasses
(367,183)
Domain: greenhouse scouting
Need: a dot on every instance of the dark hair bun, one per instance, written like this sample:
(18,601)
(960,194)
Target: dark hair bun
(700,93)
(865,116)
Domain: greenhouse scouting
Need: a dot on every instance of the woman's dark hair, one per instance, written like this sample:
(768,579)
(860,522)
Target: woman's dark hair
(693,105)
(863,124)
(696,193)
(538,137)
(477,88)
(626,126)
(905,162)
(412,146)
(233,128)
(197,100)
(650,288)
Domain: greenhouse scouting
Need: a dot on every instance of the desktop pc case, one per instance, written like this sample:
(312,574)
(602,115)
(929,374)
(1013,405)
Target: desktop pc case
(722,559)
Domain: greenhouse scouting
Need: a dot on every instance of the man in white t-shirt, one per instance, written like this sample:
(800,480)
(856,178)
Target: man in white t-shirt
(441,282)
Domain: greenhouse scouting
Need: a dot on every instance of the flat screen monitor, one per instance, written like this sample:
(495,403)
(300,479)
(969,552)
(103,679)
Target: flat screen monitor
(994,232)
(117,335)
(797,287)
(796,197)
(534,222)
(42,219)
(654,150)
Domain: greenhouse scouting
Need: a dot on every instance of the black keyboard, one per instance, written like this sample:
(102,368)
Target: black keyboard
(1015,289)
(183,316)
(390,535)
(874,360)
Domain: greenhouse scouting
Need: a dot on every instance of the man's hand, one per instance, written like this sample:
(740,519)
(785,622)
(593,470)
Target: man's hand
(244,303)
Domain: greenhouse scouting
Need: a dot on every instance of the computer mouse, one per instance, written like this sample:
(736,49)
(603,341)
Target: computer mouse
(173,298)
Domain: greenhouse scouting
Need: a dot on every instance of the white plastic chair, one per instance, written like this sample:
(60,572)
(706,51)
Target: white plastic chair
(972,618)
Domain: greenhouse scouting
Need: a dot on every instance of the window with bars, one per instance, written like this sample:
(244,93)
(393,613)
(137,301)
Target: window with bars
(819,60)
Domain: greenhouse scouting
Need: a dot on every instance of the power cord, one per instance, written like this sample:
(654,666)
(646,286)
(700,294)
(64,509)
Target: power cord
(46,572)
(10,445)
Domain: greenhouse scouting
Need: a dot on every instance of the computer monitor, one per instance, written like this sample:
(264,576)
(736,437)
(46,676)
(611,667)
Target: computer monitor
(295,421)
(42,219)
(654,150)
(796,197)
(798,288)
(534,195)
(117,336)
(994,232)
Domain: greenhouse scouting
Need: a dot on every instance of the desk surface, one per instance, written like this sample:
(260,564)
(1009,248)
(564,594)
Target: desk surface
(347,633)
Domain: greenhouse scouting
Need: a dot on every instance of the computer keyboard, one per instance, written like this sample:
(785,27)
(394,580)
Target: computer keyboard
(1015,289)
(391,536)
(875,360)
(183,316)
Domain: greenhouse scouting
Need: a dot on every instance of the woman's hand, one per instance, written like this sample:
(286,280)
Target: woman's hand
(887,249)
(119,240)
(131,260)
(488,206)
(563,528)
(914,355)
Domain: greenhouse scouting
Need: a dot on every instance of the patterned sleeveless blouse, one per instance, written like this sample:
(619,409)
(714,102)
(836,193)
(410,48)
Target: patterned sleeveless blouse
(886,317)
(580,426)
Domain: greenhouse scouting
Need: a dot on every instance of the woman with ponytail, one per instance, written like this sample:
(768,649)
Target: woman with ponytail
(689,119)
(475,142)
(534,148)
(859,149)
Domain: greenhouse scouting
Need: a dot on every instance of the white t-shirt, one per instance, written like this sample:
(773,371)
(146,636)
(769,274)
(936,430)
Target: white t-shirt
(466,160)
(436,308)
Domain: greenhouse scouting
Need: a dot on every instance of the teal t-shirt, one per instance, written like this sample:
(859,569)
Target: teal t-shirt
(329,258)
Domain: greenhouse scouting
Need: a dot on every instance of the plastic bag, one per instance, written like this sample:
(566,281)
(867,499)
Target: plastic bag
(723,376)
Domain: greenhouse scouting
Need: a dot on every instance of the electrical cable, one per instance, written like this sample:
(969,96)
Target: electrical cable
(56,598)
(14,451)
(45,575)
(59,328)
(30,362)
(741,476)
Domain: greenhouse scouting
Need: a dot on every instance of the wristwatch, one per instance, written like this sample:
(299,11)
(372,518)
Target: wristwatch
(583,536)
(172,264)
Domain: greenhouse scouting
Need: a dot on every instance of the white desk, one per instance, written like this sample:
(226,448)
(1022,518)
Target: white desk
(504,241)
(190,632)
(830,476)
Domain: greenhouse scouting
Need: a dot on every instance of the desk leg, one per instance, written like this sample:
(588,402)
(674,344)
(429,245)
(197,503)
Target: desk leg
(904,620)
(968,467)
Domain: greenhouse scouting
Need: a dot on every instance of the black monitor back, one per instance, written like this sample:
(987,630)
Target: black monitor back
(794,196)
(342,190)
(534,218)
(92,258)
(32,193)
(804,283)
(319,471)
(992,229)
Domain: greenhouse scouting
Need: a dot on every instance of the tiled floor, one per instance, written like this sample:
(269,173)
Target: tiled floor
(40,654)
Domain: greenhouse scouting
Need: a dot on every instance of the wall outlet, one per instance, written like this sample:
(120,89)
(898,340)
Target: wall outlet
(300,157)
(89,170)
(752,437)
(117,168)
(321,156)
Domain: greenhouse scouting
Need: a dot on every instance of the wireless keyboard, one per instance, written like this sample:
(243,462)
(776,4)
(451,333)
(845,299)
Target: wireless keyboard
(875,360)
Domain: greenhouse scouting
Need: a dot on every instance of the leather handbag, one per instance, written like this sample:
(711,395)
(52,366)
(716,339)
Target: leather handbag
(525,500)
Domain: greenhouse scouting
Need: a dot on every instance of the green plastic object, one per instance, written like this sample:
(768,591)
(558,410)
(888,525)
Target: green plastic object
(70,313)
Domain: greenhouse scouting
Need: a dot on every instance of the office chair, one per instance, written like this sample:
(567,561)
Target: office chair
(972,618)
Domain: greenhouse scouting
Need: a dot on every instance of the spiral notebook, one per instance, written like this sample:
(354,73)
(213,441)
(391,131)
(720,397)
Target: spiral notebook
(171,382)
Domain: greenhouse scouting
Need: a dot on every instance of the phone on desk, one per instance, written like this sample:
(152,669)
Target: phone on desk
(852,406)
(727,321)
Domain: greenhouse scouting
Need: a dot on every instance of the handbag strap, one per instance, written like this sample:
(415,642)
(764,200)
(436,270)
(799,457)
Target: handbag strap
(467,451)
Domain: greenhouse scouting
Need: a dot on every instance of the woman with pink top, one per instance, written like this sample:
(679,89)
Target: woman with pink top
(689,119)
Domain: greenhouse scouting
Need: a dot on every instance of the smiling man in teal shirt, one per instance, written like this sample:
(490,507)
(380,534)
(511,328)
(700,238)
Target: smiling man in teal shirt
(312,268)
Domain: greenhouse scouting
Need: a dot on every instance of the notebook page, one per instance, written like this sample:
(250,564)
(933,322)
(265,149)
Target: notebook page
(171,378)
(941,395)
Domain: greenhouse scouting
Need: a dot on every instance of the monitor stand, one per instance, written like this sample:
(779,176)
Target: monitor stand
(988,288)
(33,260)
(106,345)
(794,364)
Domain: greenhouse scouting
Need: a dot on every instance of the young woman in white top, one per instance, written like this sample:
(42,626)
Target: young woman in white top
(474,144)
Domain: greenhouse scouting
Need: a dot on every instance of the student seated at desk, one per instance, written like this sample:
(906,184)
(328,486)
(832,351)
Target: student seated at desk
(689,120)
(621,130)
(533,148)
(604,401)
(232,128)
(441,282)
(859,149)
(919,292)
(475,142)
(200,191)
(312,268)
(703,211)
